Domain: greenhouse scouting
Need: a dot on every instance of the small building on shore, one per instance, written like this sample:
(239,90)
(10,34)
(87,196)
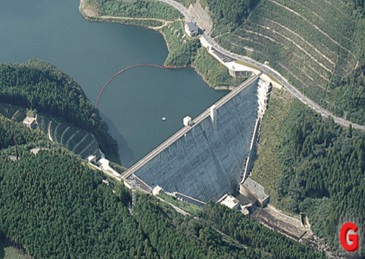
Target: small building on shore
(191,29)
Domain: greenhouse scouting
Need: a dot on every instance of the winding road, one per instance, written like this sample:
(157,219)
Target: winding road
(267,70)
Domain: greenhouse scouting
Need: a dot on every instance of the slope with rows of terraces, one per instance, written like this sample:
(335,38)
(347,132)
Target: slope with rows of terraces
(75,139)
(316,45)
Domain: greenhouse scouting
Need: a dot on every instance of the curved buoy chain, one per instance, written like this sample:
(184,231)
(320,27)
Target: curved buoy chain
(122,71)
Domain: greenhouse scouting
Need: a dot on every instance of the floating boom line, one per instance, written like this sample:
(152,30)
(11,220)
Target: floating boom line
(124,70)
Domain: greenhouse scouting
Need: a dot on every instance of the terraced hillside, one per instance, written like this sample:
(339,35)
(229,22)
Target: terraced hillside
(74,139)
(315,45)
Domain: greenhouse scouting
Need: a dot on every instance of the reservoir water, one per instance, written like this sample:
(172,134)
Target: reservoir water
(135,102)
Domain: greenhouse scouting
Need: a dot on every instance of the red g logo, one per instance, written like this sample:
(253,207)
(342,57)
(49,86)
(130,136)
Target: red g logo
(349,241)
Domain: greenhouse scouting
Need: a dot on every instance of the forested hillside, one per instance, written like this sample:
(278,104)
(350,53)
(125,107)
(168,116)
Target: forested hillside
(41,86)
(251,233)
(53,205)
(319,170)
(12,133)
(229,14)
(323,168)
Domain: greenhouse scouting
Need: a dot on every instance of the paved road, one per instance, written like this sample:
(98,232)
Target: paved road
(182,9)
(267,70)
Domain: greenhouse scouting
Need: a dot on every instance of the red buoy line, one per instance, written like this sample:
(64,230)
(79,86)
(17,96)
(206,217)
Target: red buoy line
(122,71)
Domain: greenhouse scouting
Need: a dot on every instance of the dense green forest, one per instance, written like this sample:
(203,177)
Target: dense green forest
(319,170)
(14,133)
(54,205)
(323,168)
(230,13)
(251,233)
(184,55)
(41,86)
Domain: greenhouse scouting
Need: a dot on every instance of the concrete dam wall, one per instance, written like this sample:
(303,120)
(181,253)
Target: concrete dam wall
(206,160)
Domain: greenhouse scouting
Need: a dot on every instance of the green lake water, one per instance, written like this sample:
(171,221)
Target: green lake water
(134,102)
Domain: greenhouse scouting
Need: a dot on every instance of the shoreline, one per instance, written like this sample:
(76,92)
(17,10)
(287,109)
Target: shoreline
(91,14)
(166,42)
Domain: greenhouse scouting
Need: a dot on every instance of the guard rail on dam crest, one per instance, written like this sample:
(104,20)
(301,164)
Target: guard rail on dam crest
(208,157)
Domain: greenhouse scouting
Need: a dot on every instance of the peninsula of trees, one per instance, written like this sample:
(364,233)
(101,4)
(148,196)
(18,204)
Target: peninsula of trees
(41,86)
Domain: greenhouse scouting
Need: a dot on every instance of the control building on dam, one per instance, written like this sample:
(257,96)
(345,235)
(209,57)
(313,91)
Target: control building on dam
(208,157)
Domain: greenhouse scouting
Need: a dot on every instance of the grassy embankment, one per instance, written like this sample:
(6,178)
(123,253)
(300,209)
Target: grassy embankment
(188,207)
(183,51)
(212,71)
(318,47)
(266,168)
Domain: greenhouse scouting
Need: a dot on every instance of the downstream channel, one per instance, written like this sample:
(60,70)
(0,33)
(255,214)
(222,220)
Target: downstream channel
(135,102)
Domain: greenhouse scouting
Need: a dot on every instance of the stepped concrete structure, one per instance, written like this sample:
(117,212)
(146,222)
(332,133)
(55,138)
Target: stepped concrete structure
(207,158)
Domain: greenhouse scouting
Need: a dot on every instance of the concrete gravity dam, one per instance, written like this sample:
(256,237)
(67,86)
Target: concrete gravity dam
(209,156)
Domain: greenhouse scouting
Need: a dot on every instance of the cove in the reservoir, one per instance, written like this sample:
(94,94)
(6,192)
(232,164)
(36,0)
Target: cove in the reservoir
(134,102)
